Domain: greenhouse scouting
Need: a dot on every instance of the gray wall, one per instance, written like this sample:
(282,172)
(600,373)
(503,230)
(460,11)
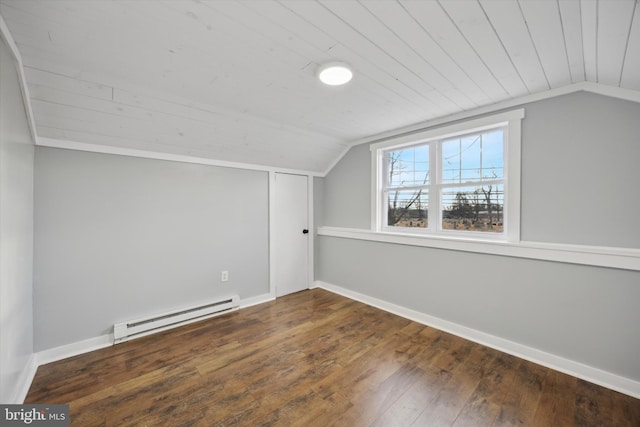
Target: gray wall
(119,237)
(580,171)
(579,181)
(16,232)
(347,191)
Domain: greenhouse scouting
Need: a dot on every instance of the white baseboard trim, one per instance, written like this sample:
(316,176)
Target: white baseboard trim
(74,349)
(248,302)
(25,380)
(567,366)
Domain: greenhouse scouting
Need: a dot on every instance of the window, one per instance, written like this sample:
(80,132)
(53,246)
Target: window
(457,181)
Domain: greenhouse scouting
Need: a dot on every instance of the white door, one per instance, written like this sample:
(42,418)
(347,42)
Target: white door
(290,238)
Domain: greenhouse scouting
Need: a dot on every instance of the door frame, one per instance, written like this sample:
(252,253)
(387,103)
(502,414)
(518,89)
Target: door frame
(310,222)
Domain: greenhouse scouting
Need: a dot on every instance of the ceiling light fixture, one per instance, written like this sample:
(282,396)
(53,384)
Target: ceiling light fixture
(335,73)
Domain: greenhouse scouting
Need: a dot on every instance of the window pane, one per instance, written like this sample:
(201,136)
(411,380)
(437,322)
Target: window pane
(408,166)
(407,208)
(473,208)
(474,157)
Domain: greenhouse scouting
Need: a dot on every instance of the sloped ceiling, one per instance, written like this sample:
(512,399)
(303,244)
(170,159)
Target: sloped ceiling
(235,80)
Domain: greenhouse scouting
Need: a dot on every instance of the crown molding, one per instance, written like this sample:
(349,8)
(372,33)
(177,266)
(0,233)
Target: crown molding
(5,35)
(130,152)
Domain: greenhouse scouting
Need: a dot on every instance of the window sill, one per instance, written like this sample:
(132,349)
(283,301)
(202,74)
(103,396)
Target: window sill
(600,256)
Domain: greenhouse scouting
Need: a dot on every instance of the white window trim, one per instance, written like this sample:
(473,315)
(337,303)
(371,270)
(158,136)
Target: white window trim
(512,119)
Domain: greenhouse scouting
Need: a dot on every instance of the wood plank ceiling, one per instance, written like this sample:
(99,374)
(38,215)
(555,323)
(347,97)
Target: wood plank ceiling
(235,80)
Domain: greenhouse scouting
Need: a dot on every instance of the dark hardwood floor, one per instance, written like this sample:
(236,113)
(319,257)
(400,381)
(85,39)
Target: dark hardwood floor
(318,359)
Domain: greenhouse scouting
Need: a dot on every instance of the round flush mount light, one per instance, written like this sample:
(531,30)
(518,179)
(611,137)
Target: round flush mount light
(335,73)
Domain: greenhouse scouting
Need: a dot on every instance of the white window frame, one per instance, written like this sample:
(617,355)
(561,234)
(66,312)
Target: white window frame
(510,120)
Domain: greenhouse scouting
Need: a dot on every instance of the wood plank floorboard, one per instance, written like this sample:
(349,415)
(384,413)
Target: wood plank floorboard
(315,358)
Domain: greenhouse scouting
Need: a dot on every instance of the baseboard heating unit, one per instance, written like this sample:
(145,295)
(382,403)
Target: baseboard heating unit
(160,322)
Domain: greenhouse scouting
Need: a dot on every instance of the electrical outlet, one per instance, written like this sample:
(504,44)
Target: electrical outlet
(224,276)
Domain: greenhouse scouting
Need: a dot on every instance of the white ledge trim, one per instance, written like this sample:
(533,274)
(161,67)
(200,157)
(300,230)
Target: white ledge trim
(600,256)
